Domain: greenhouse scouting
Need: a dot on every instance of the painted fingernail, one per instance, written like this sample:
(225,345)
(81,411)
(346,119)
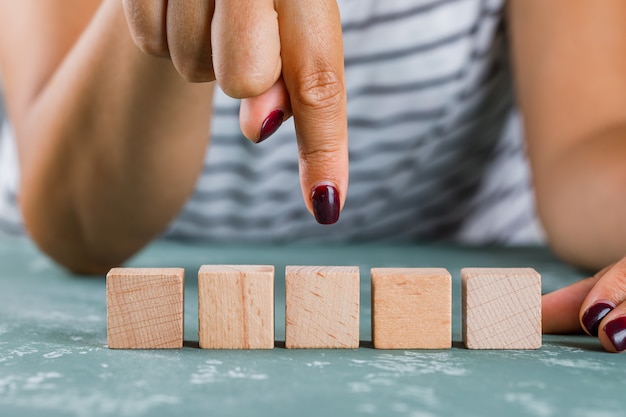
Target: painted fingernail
(616,332)
(594,315)
(271,124)
(325,200)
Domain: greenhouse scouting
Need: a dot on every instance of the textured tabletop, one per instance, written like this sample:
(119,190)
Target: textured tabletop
(54,360)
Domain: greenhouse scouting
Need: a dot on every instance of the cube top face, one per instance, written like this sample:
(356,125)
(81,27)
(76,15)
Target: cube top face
(236,306)
(325,271)
(322,307)
(501,308)
(232,269)
(411,308)
(145,273)
(145,308)
(400,274)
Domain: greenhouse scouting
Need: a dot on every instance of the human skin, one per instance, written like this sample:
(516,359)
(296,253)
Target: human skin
(570,69)
(111,139)
(110,103)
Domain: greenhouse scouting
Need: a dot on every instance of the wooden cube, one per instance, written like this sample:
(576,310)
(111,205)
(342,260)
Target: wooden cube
(411,308)
(501,308)
(236,307)
(145,308)
(322,307)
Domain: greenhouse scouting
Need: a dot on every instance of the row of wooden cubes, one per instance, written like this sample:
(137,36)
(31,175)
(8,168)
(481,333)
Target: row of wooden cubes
(411,307)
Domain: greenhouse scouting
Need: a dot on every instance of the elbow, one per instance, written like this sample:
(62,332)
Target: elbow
(572,254)
(580,241)
(588,254)
(73,254)
(62,239)
(85,265)
(75,257)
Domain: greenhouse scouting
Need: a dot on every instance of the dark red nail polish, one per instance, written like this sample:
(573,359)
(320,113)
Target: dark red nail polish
(616,331)
(594,315)
(325,200)
(271,124)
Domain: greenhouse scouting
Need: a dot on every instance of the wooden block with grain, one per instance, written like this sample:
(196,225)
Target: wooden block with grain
(322,307)
(236,306)
(501,308)
(145,308)
(411,308)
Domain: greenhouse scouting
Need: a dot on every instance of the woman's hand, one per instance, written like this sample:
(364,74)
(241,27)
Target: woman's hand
(596,305)
(280,57)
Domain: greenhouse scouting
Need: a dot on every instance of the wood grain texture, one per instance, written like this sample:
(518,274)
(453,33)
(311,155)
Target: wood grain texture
(501,308)
(411,308)
(145,308)
(236,307)
(322,307)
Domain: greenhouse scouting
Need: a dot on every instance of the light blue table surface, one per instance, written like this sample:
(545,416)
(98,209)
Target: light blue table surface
(54,360)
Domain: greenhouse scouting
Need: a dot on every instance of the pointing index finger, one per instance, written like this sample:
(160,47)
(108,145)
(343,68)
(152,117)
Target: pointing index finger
(312,54)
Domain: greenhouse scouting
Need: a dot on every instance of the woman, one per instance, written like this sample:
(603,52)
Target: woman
(110,103)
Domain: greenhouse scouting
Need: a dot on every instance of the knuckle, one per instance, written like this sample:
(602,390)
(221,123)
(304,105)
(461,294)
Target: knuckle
(152,46)
(198,75)
(320,89)
(325,153)
(620,284)
(238,85)
(194,71)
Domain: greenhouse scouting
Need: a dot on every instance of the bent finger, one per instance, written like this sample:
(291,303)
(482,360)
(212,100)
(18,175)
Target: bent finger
(612,330)
(246,46)
(189,38)
(603,312)
(261,116)
(609,292)
(146,21)
(316,86)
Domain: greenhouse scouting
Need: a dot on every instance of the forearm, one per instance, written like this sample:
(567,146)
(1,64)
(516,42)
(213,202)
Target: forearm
(110,148)
(581,197)
(569,75)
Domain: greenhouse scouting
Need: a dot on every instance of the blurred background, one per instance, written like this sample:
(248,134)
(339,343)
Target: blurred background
(1,106)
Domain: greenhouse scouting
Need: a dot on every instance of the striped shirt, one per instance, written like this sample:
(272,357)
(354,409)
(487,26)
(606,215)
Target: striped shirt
(436,150)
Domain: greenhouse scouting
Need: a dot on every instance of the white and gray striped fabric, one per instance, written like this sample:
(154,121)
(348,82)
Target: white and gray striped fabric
(10,219)
(435,143)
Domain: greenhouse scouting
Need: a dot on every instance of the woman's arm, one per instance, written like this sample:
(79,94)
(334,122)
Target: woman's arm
(110,140)
(570,67)
(570,62)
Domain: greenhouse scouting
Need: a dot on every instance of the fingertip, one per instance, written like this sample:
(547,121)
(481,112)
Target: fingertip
(258,128)
(260,117)
(593,316)
(603,303)
(325,198)
(613,335)
(326,203)
(270,125)
(324,182)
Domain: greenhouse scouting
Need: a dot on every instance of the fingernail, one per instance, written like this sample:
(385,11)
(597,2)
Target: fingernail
(271,124)
(594,315)
(325,200)
(616,331)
